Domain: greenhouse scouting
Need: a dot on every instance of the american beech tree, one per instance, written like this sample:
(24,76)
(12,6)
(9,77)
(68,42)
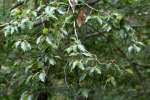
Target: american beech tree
(75,50)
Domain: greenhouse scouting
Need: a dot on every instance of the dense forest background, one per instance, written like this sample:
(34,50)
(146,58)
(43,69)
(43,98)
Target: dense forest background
(74,49)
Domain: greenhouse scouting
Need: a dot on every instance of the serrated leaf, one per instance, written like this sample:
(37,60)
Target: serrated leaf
(68,19)
(42,76)
(92,69)
(140,43)
(23,46)
(17,43)
(28,45)
(64,31)
(69,50)
(81,47)
(40,39)
(130,48)
(30,24)
(75,63)
(81,66)
(137,49)
(130,71)
(88,18)
(134,48)
(7,30)
(111,79)
(99,20)
(48,40)
(94,17)
(82,77)
(98,70)
(50,11)
(12,30)
(34,13)
(52,61)
(60,11)
(74,48)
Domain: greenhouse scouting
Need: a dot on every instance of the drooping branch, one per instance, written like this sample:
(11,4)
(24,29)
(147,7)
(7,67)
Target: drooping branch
(146,66)
(134,65)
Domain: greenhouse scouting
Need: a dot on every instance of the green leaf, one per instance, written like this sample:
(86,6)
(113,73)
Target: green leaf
(68,19)
(52,61)
(48,40)
(82,77)
(75,63)
(134,48)
(94,17)
(26,23)
(50,11)
(69,50)
(111,79)
(130,71)
(26,96)
(81,66)
(17,44)
(97,70)
(81,47)
(42,76)
(25,46)
(6,30)
(40,39)
(92,69)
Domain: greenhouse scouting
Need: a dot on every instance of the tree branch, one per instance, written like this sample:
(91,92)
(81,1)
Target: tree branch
(134,65)
(92,2)
(17,5)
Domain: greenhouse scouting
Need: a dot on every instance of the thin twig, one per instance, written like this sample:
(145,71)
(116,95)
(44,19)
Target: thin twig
(90,6)
(123,54)
(65,78)
(16,5)
(75,30)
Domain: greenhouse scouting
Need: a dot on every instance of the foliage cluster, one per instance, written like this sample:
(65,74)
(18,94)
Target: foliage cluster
(75,49)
